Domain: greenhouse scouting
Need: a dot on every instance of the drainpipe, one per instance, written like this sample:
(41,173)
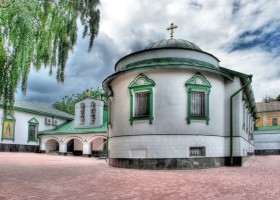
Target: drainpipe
(107,143)
(231,116)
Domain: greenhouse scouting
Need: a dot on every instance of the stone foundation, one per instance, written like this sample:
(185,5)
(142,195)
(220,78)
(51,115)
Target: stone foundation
(175,163)
(18,148)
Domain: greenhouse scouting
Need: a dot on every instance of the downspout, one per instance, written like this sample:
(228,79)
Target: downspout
(231,116)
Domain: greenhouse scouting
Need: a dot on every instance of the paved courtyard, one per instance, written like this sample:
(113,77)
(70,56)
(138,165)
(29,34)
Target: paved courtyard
(38,176)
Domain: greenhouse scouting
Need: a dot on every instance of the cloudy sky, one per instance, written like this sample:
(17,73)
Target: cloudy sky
(243,34)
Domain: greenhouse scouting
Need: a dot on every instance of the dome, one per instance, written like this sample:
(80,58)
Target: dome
(173,43)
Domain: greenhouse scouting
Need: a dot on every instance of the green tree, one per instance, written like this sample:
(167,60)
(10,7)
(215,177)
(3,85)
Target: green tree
(40,33)
(67,103)
(268,99)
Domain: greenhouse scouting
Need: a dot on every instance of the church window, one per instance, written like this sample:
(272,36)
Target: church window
(198,98)
(82,113)
(141,108)
(93,112)
(274,121)
(197,151)
(141,99)
(33,125)
(198,104)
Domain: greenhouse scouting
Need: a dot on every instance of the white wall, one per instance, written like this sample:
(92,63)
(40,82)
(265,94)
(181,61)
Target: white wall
(177,53)
(167,146)
(169,135)
(170,105)
(267,139)
(98,116)
(21,126)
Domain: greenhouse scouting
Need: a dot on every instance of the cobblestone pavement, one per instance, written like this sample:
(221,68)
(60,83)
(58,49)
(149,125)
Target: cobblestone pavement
(39,176)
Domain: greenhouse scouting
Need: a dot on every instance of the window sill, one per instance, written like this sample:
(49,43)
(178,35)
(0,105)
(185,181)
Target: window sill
(7,139)
(197,156)
(150,119)
(32,141)
(199,119)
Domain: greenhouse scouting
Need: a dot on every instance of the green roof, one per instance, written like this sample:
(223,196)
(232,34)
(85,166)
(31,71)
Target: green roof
(173,43)
(68,128)
(40,110)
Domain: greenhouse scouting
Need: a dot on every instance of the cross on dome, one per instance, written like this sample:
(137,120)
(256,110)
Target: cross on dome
(171,29)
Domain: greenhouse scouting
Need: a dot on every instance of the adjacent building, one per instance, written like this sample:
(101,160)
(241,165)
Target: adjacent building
(267,131)
(20,128)
(38,128)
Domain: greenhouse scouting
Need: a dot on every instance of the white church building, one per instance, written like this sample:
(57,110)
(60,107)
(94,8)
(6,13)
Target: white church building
(172,106)
(169,106)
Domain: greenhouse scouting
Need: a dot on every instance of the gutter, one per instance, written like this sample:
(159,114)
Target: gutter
(231,117)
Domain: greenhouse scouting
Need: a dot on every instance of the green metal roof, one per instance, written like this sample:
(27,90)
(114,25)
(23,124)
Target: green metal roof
(173,43)
(41,110)
(68,128)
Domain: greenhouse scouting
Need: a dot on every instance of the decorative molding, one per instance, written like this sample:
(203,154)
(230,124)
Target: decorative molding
(198,83)
(141,83)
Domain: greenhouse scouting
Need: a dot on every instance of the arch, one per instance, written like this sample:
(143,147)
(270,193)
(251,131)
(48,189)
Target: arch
(98,146)
(52,145)
(50,138)
(96,137)
(73,137)
(74,145)
(141,80)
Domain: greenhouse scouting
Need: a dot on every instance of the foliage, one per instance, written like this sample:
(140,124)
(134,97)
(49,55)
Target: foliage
(269,98)
(40,32)
(67,104)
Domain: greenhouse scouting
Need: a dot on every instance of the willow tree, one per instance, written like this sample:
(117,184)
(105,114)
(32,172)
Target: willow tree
(40,33)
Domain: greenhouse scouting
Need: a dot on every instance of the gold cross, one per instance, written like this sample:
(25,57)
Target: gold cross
(171,28)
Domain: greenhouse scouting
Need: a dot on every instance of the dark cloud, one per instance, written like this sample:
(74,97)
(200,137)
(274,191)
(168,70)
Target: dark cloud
(195,5)
(267,38)
(235,6)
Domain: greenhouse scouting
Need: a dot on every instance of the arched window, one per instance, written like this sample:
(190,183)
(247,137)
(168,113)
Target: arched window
(198,98)
(141,99)
(82,114)
(93,112)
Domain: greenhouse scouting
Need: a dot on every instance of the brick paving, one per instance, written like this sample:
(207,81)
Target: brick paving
(39,176)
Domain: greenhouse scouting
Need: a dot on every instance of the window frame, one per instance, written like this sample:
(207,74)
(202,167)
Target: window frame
(198,83)
(33,122)
(203,151)
(272,121)
(141,84)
